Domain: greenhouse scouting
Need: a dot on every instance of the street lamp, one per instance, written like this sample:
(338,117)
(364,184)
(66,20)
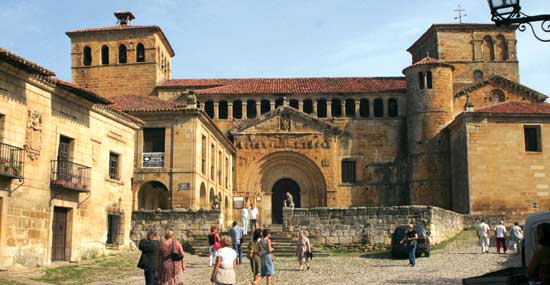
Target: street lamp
(508,12)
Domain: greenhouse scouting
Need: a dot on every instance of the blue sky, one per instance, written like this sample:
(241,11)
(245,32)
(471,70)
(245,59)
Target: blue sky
(290,38)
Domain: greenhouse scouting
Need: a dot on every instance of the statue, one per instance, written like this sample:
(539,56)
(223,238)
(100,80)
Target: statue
(289,202)
(190,99)
(216,203)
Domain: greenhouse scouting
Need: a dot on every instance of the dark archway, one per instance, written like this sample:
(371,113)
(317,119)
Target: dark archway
(153,195)
(278,197)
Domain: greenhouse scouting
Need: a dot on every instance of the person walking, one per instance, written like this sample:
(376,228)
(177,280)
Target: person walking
(253,216)
(266,258)
(411,238)
(226,264)
(237,234)
(245,214)
(500,231)
(303,250)
(150,257)
(516,235)
(483,230)
(172,261)
(214,244)
(254,255)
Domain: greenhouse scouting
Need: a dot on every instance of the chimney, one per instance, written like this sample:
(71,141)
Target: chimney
(468,106)
(124,17)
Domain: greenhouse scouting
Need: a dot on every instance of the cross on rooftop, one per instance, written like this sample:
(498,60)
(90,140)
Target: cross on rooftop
(459,10)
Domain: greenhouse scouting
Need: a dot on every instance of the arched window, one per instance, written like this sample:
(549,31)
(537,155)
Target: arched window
(497,96)
(488,49)
(364,110)
(122,54)
(104,54)
(251,109)
(378,108)
(478,76)
(87,58)
(222,110)
(238,109)
(429,80)
(322,108)
(294,104)
(421,80)
(336,108)
(308,106)
(140,53)
(279,102)
(209,108)
(392,107)
(265,106)
(350,108)
(501,48)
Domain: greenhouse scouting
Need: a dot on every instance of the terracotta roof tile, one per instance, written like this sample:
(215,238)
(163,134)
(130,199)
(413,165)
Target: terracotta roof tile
(29,66)
(81,91)
(134,103)
(517,108)
(429,61)
(293,85)
(152,28)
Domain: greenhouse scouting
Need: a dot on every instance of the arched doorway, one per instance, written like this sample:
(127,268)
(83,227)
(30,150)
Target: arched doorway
(278,197)
(153,195)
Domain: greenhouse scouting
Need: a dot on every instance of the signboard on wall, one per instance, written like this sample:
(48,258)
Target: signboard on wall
(238,202)
(184,186)
(152,160)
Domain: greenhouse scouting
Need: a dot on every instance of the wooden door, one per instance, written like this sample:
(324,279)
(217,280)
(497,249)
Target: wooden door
(59,234)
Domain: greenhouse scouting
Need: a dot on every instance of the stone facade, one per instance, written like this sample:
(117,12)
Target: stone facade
(370,226)
(38,185)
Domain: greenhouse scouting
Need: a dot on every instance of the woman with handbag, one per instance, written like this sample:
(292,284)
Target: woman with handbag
(254,254)
(172,263)
(266,257)
(303,250)
(214,244)
(226,264)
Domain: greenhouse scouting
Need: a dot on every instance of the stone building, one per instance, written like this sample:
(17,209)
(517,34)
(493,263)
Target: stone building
(66,162)
(350,141)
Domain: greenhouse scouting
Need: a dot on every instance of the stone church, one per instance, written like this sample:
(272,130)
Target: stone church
(458,130)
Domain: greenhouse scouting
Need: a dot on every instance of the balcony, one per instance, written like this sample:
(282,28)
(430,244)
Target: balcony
(11,161)
(69,175)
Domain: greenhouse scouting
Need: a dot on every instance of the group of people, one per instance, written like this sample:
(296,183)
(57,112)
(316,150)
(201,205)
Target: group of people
(249,215)
(162,262)
(514,238)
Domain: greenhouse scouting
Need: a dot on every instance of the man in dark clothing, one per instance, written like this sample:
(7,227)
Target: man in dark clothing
(411,238)
(150,257)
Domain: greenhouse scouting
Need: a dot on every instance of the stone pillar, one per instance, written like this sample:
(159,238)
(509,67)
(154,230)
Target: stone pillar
(343,103)
(314,103)
(229,110)
(357,108)
(271,105)
(216,110)
(258,108)
(301,105)
(243,107)
(329,108)
(371,108)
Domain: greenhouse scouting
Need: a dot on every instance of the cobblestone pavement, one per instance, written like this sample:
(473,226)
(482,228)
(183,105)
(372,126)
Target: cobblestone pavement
(458,259)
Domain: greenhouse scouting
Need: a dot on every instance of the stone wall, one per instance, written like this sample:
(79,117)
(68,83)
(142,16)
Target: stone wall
(187,225)
(369,226)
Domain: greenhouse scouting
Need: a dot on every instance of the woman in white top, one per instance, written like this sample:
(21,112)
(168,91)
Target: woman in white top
(226,264)
(245,213)
(500,231)
(516,235)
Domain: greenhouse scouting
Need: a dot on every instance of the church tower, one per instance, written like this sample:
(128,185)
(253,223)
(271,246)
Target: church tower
(122,59)
(429,111)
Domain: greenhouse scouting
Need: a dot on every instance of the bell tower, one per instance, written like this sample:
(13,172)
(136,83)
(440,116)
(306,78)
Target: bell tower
(122,59)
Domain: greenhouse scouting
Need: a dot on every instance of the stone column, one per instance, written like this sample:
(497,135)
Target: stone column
(229,110)
(258,108)
(301,105)
(371,108)
(243,107)
(357,108)
(216,110)
(329,108)
(343,103)
(314,103)
(271,105)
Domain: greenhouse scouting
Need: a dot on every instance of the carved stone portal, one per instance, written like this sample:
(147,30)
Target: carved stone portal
(33,139)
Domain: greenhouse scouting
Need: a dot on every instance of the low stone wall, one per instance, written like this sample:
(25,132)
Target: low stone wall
(369,227)
(187,225)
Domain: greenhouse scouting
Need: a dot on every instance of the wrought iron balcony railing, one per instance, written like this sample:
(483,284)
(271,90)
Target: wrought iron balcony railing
(11,161)
(70,175)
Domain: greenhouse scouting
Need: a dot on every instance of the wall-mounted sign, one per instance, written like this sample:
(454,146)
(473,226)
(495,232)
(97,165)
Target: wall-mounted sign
(258,198)
(238,202)
(184,186)
(152,160)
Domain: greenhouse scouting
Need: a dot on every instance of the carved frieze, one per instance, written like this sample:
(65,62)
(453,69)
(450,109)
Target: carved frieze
(282,141)
(33,138)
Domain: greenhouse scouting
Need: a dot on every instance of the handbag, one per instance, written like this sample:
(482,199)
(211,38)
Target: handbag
(217,243)
(175,256)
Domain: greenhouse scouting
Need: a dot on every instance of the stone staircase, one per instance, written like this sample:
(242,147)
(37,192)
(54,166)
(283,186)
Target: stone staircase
(284,244)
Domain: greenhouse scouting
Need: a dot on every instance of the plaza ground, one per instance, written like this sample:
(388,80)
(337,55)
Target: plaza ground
(448,264)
